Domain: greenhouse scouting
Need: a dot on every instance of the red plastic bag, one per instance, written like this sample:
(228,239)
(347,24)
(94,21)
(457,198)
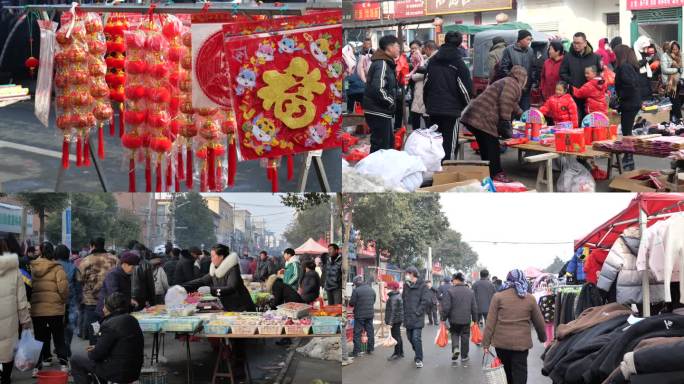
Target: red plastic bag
(442,339)
(475,333)
(399,138)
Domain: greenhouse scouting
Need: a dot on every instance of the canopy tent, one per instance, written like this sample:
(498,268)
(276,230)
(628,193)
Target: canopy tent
(311,247)
(656,206)
(533,273)
(471,29)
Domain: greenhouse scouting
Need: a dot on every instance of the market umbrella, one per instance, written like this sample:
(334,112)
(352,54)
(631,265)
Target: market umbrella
(311,247)
(653,204)
(533,273)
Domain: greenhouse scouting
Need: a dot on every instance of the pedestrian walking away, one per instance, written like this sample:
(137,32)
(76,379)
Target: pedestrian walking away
(416,298)
(460,308)
(363,302)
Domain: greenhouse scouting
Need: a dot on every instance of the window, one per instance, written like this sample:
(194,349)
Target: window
(421,34)
(612,25)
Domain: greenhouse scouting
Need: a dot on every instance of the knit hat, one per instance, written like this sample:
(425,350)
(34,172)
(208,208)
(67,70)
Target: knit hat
(358,280)
(523,33)
(498,39)
(130,258)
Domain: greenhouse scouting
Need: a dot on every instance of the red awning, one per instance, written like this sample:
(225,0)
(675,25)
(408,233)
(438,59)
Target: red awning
(533,273)
(311,247)
(653,204)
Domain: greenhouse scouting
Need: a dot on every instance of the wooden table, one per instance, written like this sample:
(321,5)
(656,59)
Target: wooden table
(547,155)
(227,348)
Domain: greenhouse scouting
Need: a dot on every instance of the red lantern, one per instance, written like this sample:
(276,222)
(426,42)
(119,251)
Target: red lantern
(31,63)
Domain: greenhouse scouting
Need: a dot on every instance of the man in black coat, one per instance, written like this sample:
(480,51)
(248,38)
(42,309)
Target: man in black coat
(460,307)
(118,280)
(433,319)
(394,315)
(382,90)
(143,279)
(185,269)
(447,90)
(170,265)
(522,54)
(363,301)
(333,275)
(282,293)
(310,287)
(575,62)
(118,355)
(265,267)
(416,298)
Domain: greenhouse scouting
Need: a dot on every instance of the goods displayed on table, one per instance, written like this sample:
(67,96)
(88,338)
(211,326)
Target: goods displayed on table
(658,146)
(219,87)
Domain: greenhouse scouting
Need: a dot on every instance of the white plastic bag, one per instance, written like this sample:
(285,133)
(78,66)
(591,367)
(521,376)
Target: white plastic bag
(397,168)
(28,351)
(427,144)
(175,296)
(574,177)
(388,342)
(48,46)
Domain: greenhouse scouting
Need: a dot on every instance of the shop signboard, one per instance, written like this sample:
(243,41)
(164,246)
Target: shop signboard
(367,11)
(635,5)
(409,8)
(444,7)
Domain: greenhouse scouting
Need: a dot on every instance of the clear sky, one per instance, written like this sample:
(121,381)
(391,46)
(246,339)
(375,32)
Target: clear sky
(262,205)
(528,217)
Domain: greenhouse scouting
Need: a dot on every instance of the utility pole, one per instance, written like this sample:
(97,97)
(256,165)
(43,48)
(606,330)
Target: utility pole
(149,221)
(332,218)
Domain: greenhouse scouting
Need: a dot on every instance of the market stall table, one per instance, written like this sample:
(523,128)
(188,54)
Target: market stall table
(547,154)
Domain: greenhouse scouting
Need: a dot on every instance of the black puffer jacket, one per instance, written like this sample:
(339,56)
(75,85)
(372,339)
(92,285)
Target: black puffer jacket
(118,354)
(185,270)
(416,298)
(226,283)
(363,301)
(143,283)
(380,97)
(514,55)
(628,87)
(265,268)
(333,274)
(443,93)
(459,305)
(394,312)
(574,63)
(311,286)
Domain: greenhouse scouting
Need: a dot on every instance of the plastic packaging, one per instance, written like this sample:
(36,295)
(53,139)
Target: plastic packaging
(28,351)
(175,296)
(575,177)
(427,144)
(45,70)
(397,168)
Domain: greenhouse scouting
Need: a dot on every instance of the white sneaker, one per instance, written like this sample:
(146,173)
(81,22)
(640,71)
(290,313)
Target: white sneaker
(34,374)
(419,364)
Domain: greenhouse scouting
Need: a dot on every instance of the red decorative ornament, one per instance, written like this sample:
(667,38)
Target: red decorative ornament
(31,63)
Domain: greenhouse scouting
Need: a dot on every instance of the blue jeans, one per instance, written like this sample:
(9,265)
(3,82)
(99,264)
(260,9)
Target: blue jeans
(90,316)
(359,326)
(414,336)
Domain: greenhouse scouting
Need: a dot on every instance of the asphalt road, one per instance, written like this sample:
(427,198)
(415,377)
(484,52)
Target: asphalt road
(266,359)
(30,157)
(437,369)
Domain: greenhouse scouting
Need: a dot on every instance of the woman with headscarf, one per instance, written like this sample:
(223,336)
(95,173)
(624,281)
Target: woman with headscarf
(495,108)
(511,312)
(671,70)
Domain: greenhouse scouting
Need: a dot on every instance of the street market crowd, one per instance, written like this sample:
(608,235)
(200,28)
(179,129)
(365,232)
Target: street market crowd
(506,310)
(435,84)
(57,293)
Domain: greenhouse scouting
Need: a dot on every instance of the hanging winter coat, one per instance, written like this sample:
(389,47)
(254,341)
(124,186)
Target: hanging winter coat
(576,266)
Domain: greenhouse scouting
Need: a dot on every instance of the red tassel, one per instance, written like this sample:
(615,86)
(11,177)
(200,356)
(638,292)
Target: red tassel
(100,143)
(274,178)
(121,119)
(86,151)
(177,183)
(188,162)
(232,161)
(219,178)
(79,151)
(203,180)
(211,170)
(112,129)
(65,153)
(169,174)
(159,176)
(148,173)
(290,167)
(131,173)
(179,166)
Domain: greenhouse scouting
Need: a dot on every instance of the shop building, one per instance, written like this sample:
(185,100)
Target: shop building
(660,20)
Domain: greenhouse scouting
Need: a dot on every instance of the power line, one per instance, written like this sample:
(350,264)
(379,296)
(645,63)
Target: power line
(519,242)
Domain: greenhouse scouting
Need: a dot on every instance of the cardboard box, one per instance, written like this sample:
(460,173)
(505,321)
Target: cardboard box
(655,117)
(453,176)
(628,182)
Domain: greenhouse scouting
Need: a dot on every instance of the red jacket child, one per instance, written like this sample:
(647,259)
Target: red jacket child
(560,108)
(594,91)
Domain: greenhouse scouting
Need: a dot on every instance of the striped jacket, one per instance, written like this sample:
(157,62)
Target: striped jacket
(380,97)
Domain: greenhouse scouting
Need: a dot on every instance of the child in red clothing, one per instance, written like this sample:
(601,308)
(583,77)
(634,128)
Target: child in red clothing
(561,107)
(594,90)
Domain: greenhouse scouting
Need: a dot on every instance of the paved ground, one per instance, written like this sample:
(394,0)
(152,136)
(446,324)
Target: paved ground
(438,368)
(267,360)
(30,161)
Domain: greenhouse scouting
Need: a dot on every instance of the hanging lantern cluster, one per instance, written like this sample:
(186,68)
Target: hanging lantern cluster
(187,129)
(116,54)
(97,69)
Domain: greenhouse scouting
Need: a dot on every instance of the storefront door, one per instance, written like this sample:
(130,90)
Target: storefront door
(660,25)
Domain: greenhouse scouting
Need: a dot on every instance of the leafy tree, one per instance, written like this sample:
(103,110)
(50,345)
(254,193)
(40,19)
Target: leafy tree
(312,221)
(556,266)
(44,204)
(453,253)
(126,227)
(194,221)
(402,224)
(304,201)
(93,215)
